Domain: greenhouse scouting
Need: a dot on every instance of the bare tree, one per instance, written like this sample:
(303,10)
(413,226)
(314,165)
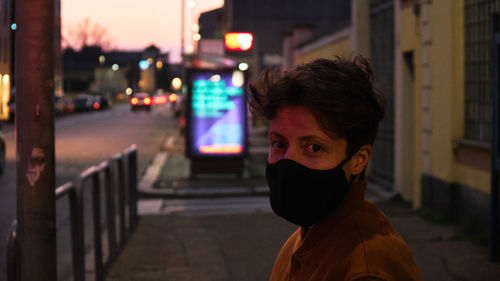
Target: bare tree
(86,33)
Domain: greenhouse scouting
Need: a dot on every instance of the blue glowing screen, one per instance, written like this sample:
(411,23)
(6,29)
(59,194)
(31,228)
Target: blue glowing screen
(217,113)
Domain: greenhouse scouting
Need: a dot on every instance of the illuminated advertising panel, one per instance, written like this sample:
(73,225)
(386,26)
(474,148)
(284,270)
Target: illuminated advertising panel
(217,113)
(4,96)
(238,41)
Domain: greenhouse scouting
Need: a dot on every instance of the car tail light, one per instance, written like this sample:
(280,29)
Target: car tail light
(147,101)
(96,105)
(134,101)
(172,98)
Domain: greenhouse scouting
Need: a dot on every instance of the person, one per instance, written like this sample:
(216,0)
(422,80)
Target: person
(323,120)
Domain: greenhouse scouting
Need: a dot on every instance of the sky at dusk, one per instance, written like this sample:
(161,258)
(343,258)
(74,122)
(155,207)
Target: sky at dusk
(135,24)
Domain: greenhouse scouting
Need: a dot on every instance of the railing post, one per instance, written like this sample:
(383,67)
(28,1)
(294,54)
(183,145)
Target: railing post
(132,163)
(70,189)
(79,235)
(495,140)
(121,198)
(110,209)
(12,254)
(96,213)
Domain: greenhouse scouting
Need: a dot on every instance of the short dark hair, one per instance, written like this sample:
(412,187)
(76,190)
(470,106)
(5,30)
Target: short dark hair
(340,92)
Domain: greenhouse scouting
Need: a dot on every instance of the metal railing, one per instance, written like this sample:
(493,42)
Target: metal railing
(118,177)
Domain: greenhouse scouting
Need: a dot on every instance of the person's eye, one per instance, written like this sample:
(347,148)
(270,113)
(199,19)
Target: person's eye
(278,145)
(314,148)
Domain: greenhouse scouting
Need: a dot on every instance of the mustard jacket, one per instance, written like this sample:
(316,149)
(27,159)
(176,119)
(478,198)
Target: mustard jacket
(355,242)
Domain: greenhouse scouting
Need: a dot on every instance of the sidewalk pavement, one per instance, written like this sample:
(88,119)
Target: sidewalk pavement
(243,246)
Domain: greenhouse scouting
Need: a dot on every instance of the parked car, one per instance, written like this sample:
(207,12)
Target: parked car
(96,102)
(104,102)
(140,100)
(58,105)
(83,102)
(2,153)
(68,105)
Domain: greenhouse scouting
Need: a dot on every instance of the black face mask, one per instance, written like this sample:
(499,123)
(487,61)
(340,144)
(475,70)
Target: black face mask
(302,195)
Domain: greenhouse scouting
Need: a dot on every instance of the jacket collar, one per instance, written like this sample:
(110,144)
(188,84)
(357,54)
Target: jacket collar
(346,210)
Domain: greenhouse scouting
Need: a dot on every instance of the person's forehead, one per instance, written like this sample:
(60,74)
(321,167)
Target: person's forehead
(296,120)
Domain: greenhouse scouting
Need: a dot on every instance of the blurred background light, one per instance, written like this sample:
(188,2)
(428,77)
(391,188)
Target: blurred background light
(243,66)
(215,78)
(144,64)
(238,78)
(176,83)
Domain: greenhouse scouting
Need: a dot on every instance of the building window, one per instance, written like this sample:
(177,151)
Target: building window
(5,11)
(2,9)
(478,107)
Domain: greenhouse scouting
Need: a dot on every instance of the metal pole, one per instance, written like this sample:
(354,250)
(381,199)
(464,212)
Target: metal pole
(110,209)
(35,139)
(495,169)
(132,164)
(96,212)
(182,26)
(121,199)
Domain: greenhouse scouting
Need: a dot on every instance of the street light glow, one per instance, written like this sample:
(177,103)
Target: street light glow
(102,59)
(195,27)
(176,83)
(128,91)
(159,65)
(190,49)
(191,3)
(144,64)
(238,78)
(215,78)
(196,37)
(243,66)
(115,67)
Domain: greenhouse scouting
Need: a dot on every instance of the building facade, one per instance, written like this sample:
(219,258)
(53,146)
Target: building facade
(433,61)
(270,20)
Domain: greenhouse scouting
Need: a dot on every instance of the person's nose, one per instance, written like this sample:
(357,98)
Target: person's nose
(292,153)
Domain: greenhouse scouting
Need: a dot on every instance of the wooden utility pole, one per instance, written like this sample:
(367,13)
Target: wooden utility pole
(35,140)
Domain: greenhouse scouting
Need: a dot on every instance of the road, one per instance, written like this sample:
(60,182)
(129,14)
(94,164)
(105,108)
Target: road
(83,140)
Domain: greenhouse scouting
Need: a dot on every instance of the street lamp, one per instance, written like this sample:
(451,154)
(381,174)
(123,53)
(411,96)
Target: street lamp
(191,4)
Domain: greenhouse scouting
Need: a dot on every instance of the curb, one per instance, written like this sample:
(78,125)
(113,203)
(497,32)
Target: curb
(153,171)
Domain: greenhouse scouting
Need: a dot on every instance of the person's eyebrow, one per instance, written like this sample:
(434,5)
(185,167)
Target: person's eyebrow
(312,138)
(274,134)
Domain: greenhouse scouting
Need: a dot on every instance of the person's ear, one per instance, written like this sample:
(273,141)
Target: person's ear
(360,159)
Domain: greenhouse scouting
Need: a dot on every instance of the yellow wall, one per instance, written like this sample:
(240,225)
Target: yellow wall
(411,41)
(341,47)
(442,63)
(447,98)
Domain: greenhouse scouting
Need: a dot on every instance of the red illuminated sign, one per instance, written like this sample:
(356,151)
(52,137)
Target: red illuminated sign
(238,41)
